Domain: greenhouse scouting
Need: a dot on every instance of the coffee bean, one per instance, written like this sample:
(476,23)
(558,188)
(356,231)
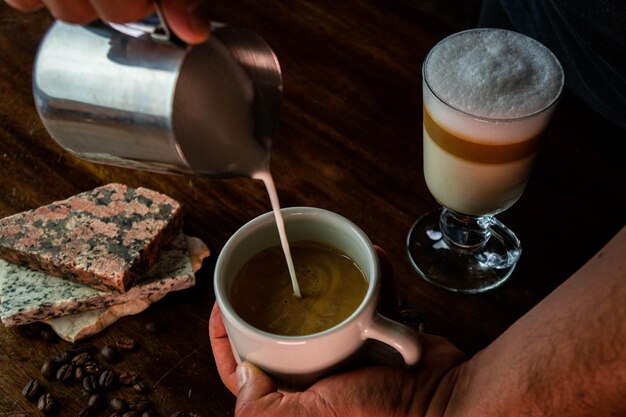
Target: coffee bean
(125,343)
(139,404)
(107,379)
(152,327)
(150,413)
(130,414)
(110,354)
(180,414)
(97,402)
(86,412)
(118,404)
(17,415)
(92,368)
(128,377)
(90,384)
(116,414)
(65,373)
(79,373)
(47,404)
(140,386)
(32,389)
(81,358)
(49,369)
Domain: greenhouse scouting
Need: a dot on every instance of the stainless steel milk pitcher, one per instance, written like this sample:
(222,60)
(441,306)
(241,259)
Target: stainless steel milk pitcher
(129,95)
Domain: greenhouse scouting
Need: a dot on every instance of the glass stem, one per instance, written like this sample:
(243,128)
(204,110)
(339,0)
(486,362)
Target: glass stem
(470,234)
(462,232)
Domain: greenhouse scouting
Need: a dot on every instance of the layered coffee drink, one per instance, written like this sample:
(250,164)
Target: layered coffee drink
(332,287)
(488,95)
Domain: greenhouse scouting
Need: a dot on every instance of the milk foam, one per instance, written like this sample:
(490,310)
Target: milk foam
(494,73)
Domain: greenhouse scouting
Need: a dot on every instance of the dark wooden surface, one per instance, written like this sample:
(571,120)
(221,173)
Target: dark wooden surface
(349,140)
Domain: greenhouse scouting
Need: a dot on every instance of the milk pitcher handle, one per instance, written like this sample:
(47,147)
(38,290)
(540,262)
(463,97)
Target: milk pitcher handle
(398,336)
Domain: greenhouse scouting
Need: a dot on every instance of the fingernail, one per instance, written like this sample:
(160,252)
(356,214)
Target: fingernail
(243,373)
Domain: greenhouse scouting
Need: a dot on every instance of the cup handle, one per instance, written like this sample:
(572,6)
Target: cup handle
(400,337)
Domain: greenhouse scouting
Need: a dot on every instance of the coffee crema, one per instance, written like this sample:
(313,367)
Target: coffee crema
(332,286)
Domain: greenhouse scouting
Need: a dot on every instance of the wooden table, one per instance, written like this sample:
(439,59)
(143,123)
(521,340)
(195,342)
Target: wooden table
(349,140)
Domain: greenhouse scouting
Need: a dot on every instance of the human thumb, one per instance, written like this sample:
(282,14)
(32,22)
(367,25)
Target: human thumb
(253,384)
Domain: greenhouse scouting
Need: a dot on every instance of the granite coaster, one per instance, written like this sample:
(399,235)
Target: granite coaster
(27,296)
(105,238)
(79,326)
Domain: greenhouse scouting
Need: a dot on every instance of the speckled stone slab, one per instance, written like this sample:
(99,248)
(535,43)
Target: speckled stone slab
(27,296)
(104,238)
(79,326)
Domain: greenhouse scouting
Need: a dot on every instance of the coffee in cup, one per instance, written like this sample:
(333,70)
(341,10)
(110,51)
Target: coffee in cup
(331,283)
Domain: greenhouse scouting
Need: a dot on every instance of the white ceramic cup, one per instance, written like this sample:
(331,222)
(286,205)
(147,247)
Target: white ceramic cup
(298,361)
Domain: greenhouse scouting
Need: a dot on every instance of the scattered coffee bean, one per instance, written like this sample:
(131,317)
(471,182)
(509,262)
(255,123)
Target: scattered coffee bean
(48,335)
(97,402)
(79,373)
(125,343)
(47,404)
(110,354)
(76,364)
(139,404)
(118,405)
(65,373)
(81,358)
(92,368)
(128,377)
(107,379)
(49,369)
(32,389)
(140,386)
(90,384)
(86,412)
(152,327)
(17,415)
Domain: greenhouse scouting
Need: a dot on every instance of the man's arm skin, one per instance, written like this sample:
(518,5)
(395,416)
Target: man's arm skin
(565,357)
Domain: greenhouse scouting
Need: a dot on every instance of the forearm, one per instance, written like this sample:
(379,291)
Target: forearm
(566,357)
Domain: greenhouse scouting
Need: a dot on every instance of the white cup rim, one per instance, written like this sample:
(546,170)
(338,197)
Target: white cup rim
(267,218)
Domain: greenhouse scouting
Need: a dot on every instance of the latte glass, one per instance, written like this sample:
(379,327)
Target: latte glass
(488,94)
